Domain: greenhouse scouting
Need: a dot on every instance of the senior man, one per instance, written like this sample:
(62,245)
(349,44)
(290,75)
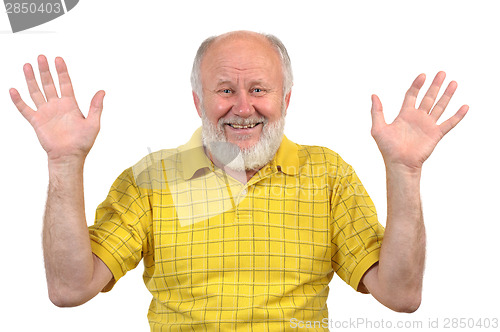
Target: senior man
(240,227)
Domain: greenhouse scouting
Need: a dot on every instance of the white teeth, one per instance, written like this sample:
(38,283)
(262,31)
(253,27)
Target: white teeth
(235,126)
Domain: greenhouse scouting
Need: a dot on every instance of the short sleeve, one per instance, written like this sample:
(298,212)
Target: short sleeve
(356,233)
(119,236)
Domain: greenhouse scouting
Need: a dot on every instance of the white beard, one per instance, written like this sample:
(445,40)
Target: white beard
(241,160)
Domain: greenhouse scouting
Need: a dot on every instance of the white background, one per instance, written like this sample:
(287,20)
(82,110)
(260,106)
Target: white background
(140,53)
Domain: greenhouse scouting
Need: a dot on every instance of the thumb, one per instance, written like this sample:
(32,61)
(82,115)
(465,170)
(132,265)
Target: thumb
(377,114)
(96,106)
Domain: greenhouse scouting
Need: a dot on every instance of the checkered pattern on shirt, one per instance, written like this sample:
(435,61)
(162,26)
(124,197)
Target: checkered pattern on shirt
(266,257)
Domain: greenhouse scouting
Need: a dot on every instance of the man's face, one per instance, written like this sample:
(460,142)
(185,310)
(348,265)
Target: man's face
(242,82)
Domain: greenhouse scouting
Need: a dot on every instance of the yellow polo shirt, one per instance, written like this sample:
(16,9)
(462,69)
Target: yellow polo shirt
(223,255)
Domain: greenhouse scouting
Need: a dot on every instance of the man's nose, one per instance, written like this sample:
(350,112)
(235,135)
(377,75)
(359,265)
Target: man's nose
(243,106)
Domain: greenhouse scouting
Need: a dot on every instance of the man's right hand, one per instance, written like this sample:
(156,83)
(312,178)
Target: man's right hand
(62,129)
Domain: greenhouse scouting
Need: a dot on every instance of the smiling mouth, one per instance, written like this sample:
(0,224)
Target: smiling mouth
(237,126)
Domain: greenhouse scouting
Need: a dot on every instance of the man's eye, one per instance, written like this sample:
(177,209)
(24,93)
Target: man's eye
(226,90)
(258,90)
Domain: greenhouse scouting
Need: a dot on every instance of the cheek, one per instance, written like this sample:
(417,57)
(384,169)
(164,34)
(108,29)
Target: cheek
(216,109)
(270,109)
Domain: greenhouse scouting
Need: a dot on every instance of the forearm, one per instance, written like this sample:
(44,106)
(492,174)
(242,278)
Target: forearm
(402,256)
(66,245)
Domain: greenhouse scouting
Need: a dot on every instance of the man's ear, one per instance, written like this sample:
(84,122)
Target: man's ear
(197,103)
(287,100)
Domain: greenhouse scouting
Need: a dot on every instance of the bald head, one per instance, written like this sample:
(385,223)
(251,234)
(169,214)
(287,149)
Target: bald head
(241,35)
(239,39)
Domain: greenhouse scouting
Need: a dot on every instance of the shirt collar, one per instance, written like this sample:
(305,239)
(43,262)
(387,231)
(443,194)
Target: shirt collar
(286,159)
(194,158)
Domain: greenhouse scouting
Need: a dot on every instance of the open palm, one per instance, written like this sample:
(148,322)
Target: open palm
(410,139)
(60,126)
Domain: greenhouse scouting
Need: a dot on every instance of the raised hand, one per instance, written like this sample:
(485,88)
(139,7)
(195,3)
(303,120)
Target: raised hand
(410,139)
(61,128)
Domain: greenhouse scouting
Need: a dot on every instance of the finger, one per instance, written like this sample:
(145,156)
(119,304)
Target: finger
(441,105)
(46,78)
(412,93)
(431,95)
(454,120)
(378,120)
(35,93)
(24,109)
(64,79)
(96,106)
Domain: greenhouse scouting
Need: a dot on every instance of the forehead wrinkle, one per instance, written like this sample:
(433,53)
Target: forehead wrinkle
(241,63)
(233,68)
(232,75)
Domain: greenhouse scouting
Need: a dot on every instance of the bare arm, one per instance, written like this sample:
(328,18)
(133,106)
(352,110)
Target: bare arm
(396,281)
(74,274)
(405,144)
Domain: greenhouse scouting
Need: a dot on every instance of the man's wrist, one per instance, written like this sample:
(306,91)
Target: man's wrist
(66,165)
(402,170)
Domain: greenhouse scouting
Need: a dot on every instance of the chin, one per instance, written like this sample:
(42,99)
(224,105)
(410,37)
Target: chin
(244,142)
(245,145)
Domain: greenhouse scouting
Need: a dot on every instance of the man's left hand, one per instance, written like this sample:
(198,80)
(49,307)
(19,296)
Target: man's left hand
(410,139)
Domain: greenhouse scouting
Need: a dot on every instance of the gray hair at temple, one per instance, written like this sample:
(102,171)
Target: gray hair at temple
(275,41)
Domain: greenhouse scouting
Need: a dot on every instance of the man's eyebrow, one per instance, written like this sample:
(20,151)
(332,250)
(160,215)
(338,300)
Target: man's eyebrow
(258,82)
(223,82)
(252,82)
